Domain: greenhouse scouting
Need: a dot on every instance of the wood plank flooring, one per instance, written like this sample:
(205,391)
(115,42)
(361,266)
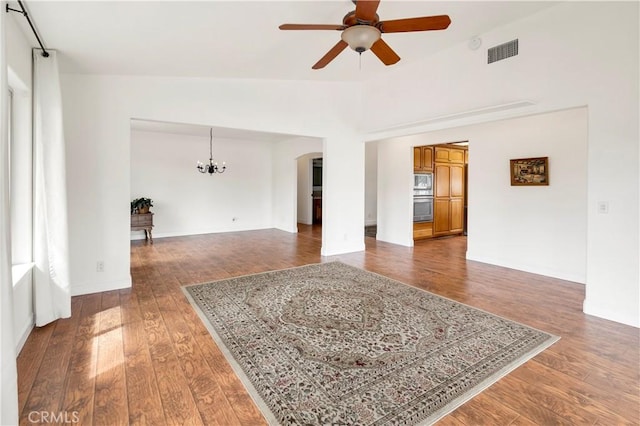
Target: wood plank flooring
(142,356)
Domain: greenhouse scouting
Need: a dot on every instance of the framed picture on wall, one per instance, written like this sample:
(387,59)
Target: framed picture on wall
(530,171)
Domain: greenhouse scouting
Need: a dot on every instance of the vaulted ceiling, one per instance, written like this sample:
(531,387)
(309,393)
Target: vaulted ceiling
(241,39)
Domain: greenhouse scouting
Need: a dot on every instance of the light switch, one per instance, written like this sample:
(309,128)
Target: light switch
(603,207)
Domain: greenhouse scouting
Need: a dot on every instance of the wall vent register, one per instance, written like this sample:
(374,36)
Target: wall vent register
(502,51)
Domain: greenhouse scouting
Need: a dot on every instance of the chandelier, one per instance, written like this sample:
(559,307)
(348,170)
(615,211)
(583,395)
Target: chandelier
(212,167)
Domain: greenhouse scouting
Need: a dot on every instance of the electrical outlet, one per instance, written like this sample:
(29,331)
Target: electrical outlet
(100,266)
(603,207)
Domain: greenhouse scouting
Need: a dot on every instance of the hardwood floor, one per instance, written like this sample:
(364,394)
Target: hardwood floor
(142,356)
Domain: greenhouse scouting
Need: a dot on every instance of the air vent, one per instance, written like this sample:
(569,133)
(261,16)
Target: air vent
(502,51)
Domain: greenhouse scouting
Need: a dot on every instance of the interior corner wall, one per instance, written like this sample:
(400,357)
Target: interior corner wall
(562,63)
(371,183)
(303,189)
(285,179)
(395,191)
(343,194)
(187,202)
(98,110)
(539,229)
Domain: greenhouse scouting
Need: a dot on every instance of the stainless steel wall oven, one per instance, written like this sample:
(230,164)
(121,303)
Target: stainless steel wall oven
(423,197)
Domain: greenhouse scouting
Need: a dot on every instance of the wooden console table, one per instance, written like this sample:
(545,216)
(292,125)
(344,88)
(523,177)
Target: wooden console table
(143,222)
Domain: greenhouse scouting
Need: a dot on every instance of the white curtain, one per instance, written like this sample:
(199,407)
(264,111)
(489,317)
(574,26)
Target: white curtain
(8,373)
(52,297)
(8,383)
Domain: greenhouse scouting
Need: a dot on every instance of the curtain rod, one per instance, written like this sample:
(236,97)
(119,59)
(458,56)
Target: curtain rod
(26,15)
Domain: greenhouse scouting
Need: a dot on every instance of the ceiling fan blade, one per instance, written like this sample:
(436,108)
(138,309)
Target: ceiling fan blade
(366,10)
(426,23)
(330,55)
(311,27)
(384,52)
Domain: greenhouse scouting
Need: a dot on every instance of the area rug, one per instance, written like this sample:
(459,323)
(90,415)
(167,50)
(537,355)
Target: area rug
(331,344)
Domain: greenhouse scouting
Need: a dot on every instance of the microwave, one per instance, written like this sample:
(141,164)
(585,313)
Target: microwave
(423,182)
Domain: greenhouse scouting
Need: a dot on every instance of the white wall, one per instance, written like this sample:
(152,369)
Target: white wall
(342,194)
(19,79)
(536,229)
(371,183)
(395,190)
(8,373)
(304,190)
(187,202)
(98,110)
(564,61)
(23,316)
(285,179)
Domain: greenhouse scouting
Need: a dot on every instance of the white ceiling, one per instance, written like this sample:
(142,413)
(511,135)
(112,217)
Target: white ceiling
(203,131)
(241,39)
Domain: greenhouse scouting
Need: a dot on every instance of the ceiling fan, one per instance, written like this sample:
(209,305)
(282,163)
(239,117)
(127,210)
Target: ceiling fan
(362,29)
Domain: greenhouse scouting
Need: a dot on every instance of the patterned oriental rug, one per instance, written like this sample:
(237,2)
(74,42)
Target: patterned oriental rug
(331,344)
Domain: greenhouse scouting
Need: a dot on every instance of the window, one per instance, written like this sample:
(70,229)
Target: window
(20,175)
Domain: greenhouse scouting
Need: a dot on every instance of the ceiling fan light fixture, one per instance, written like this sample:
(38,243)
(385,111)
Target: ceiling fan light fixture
(361,37)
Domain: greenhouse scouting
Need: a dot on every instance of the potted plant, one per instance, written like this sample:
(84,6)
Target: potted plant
(141,205)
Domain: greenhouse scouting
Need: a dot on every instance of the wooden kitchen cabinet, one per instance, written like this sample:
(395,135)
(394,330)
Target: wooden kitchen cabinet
(422,230)
(449,155)
(449,181)
(448,209)
(456,215)
(422,159)
(456,181)
(447,162)
(442,181)
(441,213)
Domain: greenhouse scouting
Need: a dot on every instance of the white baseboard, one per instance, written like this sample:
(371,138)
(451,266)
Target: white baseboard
(139,235)
(590,308)
(89,288)
(342,249)
(401,242)
(534,269)
(24,332)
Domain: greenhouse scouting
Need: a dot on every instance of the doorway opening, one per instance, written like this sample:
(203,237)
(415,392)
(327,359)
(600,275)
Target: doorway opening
(316,191)
(309,193)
